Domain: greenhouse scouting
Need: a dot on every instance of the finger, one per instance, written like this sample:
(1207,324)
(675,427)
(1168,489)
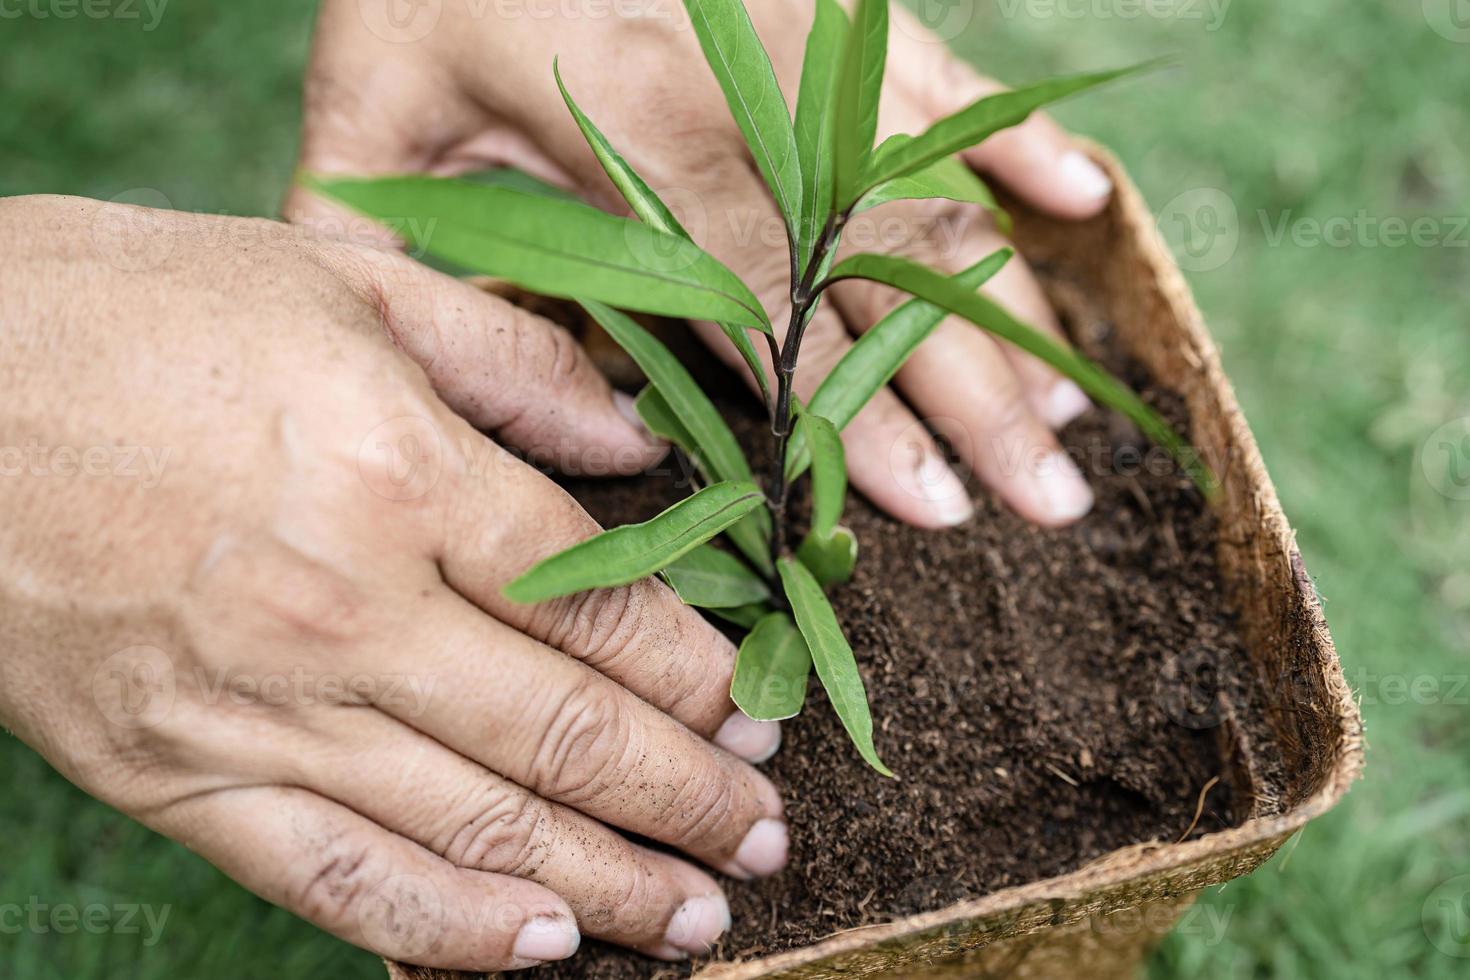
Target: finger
(962,381)
(476,819)
(507,371)
(375,889)
(1037,159)
(572,736)
(934,229)
(363,112)
(640,635)
(922,491)
(1054,399)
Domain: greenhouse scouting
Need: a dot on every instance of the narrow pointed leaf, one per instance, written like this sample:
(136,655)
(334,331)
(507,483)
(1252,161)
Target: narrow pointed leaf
(946,178)
(752,533)
(553,247)
(940,290)
(652,211)
(814,124)
(829,471)
(975,123)
(662,422)
(771,670)
(830,559)
(709,577)
(743,616)
(832,656)
(691,406)
(855,102)
(876,356)
(711,445)
(627,554)
(743,69)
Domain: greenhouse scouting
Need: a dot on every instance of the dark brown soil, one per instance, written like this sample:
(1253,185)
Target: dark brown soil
(1038,692)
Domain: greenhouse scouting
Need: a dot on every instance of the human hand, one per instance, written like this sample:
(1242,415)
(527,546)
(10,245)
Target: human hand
(253,546)
(461,85)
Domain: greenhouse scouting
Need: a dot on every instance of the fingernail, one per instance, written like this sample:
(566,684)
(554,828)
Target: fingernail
(697,924)
(545,939)
(623,402)
(753,741)
(763,852)
(1064,494)
(1064,403)
(949,500)
(1083,176)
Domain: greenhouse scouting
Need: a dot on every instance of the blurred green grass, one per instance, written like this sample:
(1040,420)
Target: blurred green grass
(1346,357)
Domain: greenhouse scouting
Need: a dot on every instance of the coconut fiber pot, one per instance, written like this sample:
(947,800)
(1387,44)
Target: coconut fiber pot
(1100,919)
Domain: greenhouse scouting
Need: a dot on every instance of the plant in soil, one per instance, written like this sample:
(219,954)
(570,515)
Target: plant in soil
(821,167)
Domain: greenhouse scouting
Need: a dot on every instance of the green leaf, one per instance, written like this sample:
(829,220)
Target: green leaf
(652,211)
(662,422)
(627,554)
(743,616)
(855,103)
(552,247)
(771,670)
(830,559)
(829,471)
(705,436)
(942,291)
(709,577)
(513,179)
(876,356)
(814,124)
(741,66)
(832,656)
(751,534)
(948,178)
(712,437)
(975,123)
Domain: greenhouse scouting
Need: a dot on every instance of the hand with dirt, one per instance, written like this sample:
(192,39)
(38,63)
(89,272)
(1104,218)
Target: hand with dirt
(458,85)
(253,542)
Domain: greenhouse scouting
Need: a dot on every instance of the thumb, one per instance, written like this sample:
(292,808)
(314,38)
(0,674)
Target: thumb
(506,371)
(372,105)
(1037,160)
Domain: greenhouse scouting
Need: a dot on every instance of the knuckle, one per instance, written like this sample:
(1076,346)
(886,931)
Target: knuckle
(583,749)
(1003,411)
(343,875)
(634,901)
(506,835)
(708,812)
(599,626)
(283,594)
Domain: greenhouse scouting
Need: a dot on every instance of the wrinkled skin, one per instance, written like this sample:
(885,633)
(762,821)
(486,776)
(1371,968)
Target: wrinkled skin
(252,548)
(253,532)
(457,85)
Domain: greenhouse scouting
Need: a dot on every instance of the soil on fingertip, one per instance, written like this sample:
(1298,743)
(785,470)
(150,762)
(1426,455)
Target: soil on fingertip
(1038,692)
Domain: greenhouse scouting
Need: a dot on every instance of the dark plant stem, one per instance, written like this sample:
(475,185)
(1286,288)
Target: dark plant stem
(803,300)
